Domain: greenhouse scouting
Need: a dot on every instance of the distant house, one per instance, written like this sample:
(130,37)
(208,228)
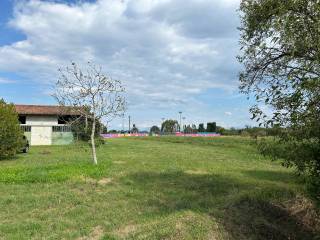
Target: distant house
(46,125)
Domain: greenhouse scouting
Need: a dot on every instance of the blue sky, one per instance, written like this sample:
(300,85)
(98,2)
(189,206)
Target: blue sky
(172,55)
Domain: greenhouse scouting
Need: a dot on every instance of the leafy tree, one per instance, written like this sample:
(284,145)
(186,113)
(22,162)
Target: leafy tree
(170,126)
(188,129)
(184,128)
(134,129)
(201,128)
(275,130)
(104,128)
(155,129)
(211,127)
(10,132)
(220,130)
(232,131)
(82,128)
(194,128)
(253,132)
(113,131)
(281,58)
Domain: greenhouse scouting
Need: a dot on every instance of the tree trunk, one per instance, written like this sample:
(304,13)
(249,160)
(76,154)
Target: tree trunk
(93,145)
(86,124)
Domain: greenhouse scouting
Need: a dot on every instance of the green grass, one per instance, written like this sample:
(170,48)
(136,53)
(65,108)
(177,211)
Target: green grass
(151,188)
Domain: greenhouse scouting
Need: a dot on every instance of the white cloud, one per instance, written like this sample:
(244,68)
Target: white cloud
(228,113)
(6,81)
(167,52)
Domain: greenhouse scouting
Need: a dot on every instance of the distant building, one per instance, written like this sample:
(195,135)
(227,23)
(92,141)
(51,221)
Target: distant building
(46,125)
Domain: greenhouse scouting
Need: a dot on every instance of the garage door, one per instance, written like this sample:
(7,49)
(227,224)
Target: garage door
(41,135)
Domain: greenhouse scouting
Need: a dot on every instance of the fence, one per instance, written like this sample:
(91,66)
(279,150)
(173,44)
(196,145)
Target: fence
(204,134)
(117,135)
(178,134)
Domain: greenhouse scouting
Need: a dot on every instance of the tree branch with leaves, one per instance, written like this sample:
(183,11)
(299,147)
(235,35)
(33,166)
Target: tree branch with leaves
(280,43)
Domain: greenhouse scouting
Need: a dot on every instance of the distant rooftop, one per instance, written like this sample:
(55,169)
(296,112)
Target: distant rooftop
(44,110)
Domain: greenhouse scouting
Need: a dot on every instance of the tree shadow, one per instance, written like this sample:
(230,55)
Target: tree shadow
(225,199)
(10,159)
(285,177)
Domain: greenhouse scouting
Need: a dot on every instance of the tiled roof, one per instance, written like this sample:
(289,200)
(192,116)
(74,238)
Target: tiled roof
(44,110)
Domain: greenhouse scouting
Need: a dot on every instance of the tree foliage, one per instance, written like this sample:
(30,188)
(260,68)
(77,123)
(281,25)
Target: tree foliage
(82,128)
(134,129)
(201,128)
(155,129)
(211,127)
(10,132)
(281,57)
(188,129)
(170,126)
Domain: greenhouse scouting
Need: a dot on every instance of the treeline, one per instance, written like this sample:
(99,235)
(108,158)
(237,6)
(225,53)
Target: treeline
(250,131)
(172,126)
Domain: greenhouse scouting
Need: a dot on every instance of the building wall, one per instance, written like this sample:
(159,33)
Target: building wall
(62,138)
(42,134)
(42,120)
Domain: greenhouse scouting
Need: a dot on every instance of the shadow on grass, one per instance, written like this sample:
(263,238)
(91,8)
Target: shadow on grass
(201,141)
(244,211)
(11,158)
(286,177)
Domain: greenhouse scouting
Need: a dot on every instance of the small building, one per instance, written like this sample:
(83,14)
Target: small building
(46,125)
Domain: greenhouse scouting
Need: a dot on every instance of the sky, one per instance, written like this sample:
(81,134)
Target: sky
(171,55)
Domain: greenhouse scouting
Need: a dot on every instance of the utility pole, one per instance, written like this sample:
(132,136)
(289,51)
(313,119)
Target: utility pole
(180,121)
(183,118)
(129,124)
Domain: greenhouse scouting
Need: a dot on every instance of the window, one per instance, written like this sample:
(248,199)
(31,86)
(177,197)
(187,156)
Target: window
(26,128)
(22,119)
(61,129)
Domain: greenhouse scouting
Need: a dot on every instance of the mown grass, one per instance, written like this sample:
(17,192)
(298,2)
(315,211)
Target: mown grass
(152,188)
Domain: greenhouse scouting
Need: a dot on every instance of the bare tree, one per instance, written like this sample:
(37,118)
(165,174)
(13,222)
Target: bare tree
(92,94)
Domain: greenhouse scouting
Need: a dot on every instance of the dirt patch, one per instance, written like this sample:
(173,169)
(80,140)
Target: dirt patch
(102,181)
(197,172)
(126,231)
(257,219)
(88,180)
(96,234)
(305,210)
(105,181)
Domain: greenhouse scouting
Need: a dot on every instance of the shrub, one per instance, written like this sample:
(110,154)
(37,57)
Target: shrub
(10,132)
(154,130)
(303,154)
(98,141)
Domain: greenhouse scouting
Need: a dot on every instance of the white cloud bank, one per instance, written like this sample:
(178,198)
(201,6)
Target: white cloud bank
(6,81)
(166,52)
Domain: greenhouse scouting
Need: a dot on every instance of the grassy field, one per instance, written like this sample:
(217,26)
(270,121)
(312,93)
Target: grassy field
(153,188)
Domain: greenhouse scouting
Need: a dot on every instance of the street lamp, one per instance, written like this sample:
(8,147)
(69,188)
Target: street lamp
(180,121)
(183,118)
(129,131)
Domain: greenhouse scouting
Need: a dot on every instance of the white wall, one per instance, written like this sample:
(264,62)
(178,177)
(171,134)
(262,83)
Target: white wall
(42,120)
(41,135)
